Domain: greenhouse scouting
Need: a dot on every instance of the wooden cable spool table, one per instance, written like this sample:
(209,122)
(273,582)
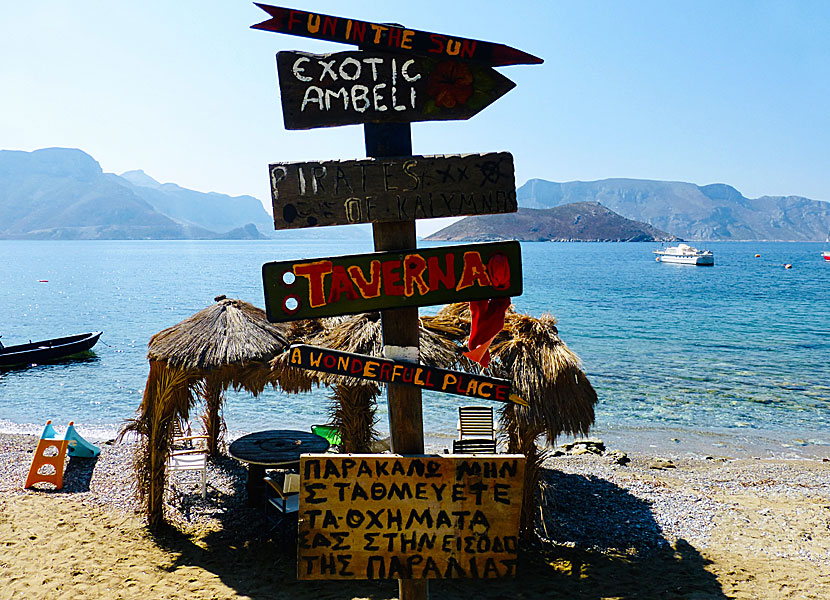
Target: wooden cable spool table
(273,448)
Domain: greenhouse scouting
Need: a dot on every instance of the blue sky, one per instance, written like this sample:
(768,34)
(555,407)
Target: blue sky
(707,91)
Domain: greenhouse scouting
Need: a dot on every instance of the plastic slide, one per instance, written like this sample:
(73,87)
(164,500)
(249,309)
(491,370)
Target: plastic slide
(78,446)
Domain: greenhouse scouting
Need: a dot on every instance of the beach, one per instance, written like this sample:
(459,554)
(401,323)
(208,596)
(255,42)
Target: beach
(658,526)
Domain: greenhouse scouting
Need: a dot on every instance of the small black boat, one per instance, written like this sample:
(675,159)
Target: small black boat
(47,350)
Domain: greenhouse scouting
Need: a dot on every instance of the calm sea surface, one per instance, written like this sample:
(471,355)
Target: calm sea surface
(740,351)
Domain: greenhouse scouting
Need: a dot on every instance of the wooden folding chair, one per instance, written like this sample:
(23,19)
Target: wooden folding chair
(282,503)
(476,422)
(474,446)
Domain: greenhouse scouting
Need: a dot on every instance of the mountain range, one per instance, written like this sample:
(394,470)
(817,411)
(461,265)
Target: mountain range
(689,211)
(62,193)
(577,221)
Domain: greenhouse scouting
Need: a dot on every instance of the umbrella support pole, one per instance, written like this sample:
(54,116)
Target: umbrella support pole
(400,325)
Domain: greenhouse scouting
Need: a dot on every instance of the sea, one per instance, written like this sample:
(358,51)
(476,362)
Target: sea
(726,360)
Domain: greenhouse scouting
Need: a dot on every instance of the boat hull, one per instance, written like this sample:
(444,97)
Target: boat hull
(47,350)
(701,261)
(826,255)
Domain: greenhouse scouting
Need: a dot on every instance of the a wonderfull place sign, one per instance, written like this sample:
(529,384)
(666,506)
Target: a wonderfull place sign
(384,370)
(340,192)
(409,517)
(343,285)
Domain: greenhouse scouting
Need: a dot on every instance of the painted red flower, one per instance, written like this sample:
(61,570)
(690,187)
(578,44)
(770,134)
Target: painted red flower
(498,268)
(450,84)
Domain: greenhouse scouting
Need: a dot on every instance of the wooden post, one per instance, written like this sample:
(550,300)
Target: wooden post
(400,326)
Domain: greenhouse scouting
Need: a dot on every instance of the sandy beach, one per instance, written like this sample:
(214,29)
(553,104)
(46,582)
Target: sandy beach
(660,526)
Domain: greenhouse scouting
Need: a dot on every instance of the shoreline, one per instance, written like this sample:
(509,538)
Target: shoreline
(643,441)
(658,526)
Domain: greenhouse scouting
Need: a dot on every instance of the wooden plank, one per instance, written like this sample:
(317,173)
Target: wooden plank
(389,38)
(313,194)
(409,517)
(326,287)
(399,326)
(348,88)
(384,370)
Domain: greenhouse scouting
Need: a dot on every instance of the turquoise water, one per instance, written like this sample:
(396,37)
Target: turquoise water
(742,348)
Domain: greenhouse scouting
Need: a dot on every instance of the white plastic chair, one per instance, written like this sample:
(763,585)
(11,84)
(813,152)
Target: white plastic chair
(193,459)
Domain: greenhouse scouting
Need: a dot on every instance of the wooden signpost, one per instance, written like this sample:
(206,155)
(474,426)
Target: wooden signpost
(383,370)
(343,285)
(311,194)
(390,38)
(358,87)
(409,517)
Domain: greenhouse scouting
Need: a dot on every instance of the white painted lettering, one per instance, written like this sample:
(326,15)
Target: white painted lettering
(313,94)
(341,92)
(360,98)
(327,70)
(356,66)
(297,69)
(405,71)
(373,62)
(376,96)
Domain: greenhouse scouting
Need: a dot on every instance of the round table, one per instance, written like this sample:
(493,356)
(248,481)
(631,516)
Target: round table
(271,449)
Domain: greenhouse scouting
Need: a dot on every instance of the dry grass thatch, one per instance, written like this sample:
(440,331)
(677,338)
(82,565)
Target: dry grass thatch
(228,344)
(354,405)
(363,334)
(544,372)
(547,374)
(230,332)
(166,396)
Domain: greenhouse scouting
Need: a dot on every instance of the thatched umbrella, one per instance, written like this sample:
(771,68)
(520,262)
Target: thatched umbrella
(354,400)
(227,344)
(547,374)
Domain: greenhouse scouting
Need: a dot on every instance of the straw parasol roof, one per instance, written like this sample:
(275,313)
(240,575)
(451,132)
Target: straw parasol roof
(544,371)
(229,343)
(547,374)
(229,332)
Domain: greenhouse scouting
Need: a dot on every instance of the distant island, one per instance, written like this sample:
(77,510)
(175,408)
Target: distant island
(575,222)
(62,193)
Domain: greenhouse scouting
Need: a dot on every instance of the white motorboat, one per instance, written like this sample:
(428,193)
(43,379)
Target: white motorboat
(683,254)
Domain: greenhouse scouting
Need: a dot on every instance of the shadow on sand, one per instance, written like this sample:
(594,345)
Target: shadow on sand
(590,552)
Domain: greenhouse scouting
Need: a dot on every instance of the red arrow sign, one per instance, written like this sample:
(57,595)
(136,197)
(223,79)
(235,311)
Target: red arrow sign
(389,38)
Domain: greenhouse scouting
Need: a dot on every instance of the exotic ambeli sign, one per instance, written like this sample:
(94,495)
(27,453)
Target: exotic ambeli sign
(384,370)
(309,194)
(409,517)
(326,287)
(389,38)
(351,88)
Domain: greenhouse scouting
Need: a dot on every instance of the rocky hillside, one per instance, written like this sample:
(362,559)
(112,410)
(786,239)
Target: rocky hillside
(692,212)
(579,221)
(61,193)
